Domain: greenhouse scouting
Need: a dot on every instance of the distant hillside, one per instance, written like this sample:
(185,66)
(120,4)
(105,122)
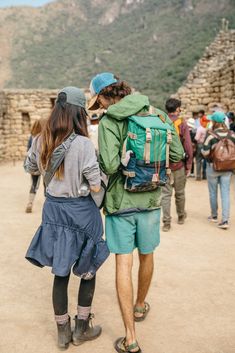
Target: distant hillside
(153,44)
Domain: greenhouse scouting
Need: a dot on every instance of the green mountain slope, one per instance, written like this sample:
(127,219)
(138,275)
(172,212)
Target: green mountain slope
(153,44)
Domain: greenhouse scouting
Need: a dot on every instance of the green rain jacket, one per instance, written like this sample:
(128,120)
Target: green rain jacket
(112,133)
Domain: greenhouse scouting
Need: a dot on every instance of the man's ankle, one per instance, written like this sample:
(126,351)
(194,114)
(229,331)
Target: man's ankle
(139,304)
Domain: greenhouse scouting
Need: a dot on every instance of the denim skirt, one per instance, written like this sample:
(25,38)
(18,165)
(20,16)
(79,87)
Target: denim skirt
(66,225)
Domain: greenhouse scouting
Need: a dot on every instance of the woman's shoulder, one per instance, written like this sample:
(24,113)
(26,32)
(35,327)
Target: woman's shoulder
(82,141)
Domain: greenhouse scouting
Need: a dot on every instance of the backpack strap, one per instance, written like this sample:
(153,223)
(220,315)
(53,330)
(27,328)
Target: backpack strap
(161,117)
(168,142)
(143,113)
(147,145)
(57,158)
(152,112)
(214,134)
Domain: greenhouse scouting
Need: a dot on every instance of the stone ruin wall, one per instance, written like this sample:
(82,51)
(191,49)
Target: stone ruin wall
(18,111)
(212,81)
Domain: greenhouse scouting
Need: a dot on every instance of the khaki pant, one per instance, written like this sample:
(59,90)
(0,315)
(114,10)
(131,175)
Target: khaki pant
(178,181)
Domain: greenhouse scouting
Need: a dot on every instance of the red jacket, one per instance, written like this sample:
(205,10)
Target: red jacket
(204,121)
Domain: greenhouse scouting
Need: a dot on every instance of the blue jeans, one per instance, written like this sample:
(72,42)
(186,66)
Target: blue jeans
(223,179)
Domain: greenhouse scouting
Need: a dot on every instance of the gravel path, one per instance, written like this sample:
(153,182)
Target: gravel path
(192,295)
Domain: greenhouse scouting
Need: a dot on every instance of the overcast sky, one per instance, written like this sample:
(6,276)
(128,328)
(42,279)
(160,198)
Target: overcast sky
(4,3)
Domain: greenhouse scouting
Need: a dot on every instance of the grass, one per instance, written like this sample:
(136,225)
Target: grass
(153,47)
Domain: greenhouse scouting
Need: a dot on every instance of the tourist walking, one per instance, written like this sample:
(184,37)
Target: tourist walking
(200,164)
(179,170)
(203,118)
(192,131)
(132,218)
(219,150)
(71,229)
(35,178)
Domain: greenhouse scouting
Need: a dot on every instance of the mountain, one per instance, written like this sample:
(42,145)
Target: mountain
(152,44)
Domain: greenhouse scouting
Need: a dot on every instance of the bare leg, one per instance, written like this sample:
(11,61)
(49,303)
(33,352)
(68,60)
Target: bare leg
(124,287)
(144,280)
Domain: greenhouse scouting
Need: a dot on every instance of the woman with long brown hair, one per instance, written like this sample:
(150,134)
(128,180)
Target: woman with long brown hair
(70,235)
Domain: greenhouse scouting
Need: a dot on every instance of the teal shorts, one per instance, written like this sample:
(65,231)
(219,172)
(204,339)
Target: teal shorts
(139,230)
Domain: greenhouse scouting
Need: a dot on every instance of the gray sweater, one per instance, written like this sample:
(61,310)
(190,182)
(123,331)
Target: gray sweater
(80,167)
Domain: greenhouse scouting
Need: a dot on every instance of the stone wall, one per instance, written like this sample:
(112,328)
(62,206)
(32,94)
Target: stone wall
(212,81)
(18,111)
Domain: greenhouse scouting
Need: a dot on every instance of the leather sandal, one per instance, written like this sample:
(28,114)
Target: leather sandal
(121,346)
(141,310)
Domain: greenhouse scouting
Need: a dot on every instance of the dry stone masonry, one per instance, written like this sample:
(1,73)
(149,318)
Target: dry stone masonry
(18,111)
(212,81)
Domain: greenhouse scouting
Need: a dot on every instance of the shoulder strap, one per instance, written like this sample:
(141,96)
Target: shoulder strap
(149,113)
(57,158)
(214,134)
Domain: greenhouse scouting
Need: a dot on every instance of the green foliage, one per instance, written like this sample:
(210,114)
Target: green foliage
(153,47)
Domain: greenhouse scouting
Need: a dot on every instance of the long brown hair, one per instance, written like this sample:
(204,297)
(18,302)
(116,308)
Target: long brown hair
(64,119)
(216,125)
(37,126)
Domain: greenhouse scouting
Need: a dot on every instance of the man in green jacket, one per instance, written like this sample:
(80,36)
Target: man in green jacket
(132,219)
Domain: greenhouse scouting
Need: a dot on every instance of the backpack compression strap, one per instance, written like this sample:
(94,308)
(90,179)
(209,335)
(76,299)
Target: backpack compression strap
(147,145)
(218,137)
(168,142)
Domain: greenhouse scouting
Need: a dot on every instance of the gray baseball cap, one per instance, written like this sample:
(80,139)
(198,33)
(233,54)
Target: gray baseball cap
(75,96)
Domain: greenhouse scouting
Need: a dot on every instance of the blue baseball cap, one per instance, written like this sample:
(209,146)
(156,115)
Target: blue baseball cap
(99,82)
(218,117)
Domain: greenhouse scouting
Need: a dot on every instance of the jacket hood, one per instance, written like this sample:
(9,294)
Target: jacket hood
(129,105)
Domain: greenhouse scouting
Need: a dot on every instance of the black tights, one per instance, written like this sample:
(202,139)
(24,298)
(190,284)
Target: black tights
(60,293)
(35,183)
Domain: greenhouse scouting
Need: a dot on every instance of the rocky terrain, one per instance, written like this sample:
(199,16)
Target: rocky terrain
(153,44)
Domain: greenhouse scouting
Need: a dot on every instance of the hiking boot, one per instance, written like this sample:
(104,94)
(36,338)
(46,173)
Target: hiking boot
(64,334)
(181,219)
(29,208)
(84,331)
(223,225)
(213,219)
(166,227)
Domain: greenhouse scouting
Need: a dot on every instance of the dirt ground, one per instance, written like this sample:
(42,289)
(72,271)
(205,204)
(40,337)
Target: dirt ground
(192,295)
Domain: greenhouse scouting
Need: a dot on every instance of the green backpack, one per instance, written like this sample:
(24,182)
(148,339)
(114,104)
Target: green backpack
(148,142)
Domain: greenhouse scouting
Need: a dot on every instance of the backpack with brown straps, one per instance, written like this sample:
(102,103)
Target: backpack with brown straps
(223,154)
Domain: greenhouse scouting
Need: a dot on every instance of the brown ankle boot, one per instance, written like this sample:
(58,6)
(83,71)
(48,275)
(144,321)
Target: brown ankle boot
(64,334)
(84,331)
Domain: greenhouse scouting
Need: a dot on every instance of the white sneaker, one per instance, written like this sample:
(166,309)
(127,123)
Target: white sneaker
(223,225)
(213,219)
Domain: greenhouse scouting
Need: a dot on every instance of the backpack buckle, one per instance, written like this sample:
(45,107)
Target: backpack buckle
(155,178)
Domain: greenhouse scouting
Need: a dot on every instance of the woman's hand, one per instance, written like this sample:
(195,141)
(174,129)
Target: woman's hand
(95,188)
